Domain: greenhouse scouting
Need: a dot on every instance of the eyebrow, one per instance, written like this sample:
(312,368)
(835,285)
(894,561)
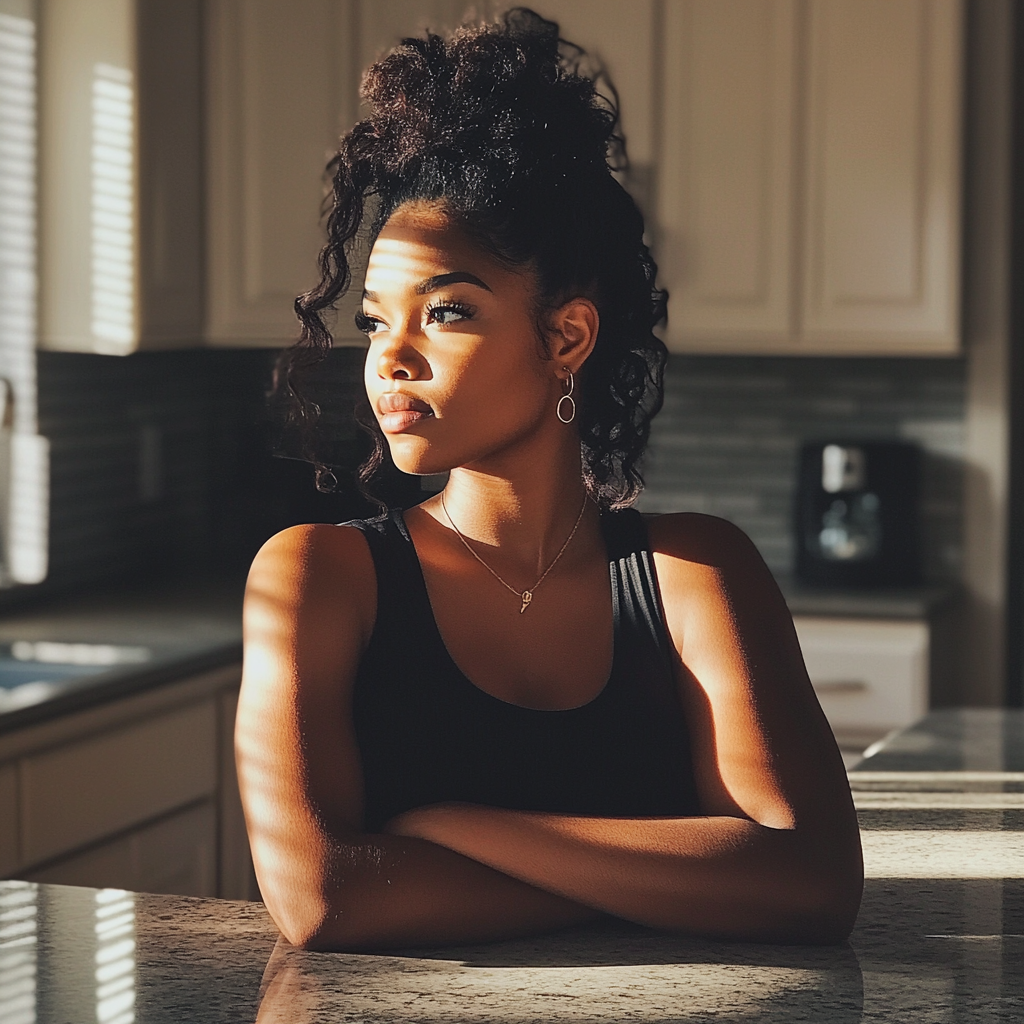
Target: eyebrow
(432,284)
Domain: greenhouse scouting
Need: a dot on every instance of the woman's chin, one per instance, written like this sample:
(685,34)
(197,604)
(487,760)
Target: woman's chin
(418,463)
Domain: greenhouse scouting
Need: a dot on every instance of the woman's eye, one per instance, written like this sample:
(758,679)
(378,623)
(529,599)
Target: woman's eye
(449,313)
(367,324)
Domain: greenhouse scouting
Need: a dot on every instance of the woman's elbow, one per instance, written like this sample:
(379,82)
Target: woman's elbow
(821,908)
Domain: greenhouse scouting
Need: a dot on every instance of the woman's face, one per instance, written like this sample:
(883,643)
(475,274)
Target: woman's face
(454,372)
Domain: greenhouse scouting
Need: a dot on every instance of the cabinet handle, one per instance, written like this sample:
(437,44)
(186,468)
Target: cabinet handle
(840,686)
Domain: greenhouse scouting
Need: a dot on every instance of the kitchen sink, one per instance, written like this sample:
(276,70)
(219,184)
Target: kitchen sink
(33,671)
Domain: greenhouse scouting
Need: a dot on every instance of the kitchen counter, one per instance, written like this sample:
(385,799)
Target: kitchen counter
(867,602)
(68,655)
(940,935)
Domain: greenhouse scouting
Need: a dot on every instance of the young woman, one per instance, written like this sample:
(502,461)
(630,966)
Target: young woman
(521,705)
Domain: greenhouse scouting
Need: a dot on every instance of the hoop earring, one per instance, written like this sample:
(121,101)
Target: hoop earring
(567,397)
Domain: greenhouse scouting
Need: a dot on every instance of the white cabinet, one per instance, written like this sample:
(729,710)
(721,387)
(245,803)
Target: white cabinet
(120,175)
(79,792)
(726,201)
(175,855)
(137,794)
(281,88)
(810,188)
(870,675)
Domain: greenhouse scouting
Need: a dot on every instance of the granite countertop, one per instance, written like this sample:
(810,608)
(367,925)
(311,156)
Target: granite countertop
(69,654)
(867,602)
(940,936)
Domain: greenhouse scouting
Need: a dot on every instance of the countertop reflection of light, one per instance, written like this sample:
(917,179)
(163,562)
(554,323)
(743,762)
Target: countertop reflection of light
(115,957)
(18,951)
(50,652)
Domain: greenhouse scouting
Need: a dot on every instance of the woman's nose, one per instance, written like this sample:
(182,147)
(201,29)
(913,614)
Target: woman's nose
(400,359)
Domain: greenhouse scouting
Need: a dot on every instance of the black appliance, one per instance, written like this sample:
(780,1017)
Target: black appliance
(857,514)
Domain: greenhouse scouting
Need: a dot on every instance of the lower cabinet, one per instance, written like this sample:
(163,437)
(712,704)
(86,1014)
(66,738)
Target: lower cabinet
(871,675)
(177,854)
(139,794)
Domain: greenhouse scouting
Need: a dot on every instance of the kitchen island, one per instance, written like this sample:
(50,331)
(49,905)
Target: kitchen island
(940,936)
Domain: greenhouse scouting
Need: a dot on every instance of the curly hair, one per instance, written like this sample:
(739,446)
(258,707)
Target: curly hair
(500,125)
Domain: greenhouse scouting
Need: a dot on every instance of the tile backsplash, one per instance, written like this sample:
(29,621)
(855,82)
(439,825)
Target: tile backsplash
(165,459)
(727,439)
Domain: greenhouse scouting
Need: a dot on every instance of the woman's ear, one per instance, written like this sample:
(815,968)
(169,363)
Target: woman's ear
(573,331)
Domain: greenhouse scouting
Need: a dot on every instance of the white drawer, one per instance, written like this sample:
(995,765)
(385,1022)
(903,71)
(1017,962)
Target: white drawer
(175,855)
(8,819)
(74,795)
(869,674)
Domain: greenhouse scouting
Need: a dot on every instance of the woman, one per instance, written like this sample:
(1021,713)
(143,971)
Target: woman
(521,705)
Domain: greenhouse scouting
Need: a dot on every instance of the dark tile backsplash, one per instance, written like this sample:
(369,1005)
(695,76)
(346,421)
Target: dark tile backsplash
(727,439)
(164,459)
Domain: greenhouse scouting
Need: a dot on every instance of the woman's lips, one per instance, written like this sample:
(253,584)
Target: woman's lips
(398,412)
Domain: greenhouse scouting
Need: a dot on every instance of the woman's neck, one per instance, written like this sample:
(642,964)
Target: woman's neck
(528,515)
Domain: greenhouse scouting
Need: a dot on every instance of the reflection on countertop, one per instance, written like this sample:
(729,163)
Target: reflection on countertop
(68,654)
(940,935)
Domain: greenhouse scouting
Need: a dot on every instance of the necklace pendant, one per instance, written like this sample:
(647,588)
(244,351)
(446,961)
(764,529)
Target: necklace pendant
(527,598)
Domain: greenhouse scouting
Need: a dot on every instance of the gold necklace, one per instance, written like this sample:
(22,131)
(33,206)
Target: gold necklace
(527,595)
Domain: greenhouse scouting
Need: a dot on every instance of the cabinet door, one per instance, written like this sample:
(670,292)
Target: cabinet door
(882,237)
(725,218)
(281,88)
(79,793)
(871,676)
(120,176)
(176,855)
(8,819)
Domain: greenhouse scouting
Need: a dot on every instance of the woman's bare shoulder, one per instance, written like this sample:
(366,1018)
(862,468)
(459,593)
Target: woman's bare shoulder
(713,580)
(702,540)
(316,571)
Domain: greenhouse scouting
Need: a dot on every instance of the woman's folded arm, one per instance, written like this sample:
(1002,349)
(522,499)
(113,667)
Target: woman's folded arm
(718,876)
(308,613)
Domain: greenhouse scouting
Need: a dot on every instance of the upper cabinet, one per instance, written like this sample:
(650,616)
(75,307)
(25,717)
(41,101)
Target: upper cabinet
(809,187)
(281,86)
(121,231)
(798,161)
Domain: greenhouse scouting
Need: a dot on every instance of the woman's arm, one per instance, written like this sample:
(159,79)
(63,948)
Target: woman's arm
(778,856)
(309,610)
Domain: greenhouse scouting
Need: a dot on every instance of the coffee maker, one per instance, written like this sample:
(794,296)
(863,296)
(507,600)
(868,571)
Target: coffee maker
(857,514)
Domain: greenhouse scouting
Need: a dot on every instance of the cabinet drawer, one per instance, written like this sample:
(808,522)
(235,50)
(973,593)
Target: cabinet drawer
(868,674)
(77,794)
(175,855)
(8,819)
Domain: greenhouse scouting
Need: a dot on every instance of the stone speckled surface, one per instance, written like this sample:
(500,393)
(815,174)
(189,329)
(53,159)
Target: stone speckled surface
(940,938)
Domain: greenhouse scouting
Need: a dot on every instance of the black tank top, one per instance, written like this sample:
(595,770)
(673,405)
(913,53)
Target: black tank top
(427,734)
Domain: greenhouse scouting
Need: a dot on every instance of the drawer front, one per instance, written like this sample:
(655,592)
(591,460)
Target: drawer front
(175,855)
(868,674)
(8,819)
(77,794)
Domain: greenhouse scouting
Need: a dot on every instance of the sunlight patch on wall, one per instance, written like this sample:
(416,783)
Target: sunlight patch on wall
(18,215)
(113,212)
(24,456)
